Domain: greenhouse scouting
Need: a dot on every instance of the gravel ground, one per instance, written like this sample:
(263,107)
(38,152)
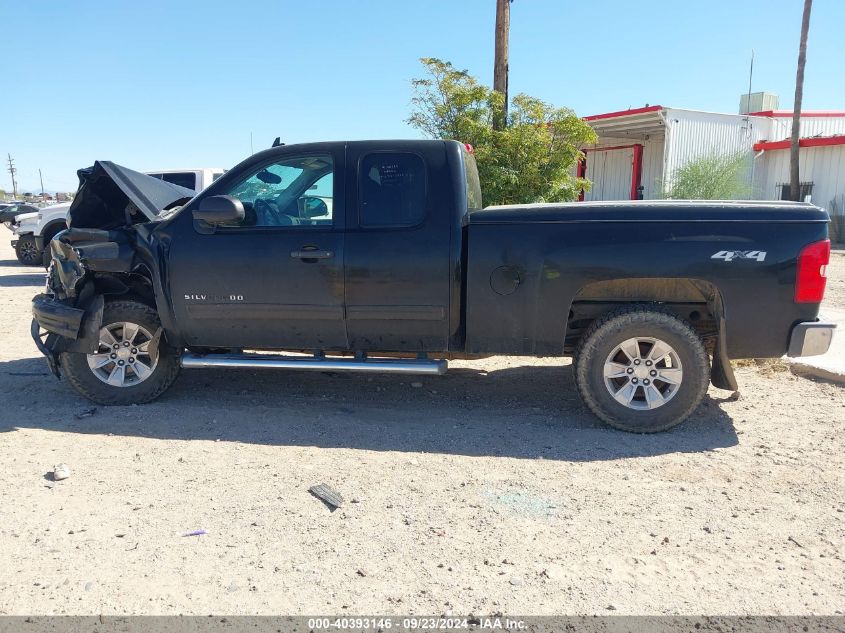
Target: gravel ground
(490,489)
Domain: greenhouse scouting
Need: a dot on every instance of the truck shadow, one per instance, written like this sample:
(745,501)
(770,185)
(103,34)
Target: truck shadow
(528,411)
(19,281)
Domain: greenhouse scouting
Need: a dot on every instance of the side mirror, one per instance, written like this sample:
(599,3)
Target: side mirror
(220,210)
(312,207)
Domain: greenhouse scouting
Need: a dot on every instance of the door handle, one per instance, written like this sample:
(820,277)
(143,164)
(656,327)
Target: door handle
(311,254)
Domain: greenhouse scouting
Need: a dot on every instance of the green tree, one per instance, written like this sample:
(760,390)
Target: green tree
(712,177)
(531,159)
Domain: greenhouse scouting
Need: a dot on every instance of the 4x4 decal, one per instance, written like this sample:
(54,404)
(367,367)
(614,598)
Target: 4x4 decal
(729,256)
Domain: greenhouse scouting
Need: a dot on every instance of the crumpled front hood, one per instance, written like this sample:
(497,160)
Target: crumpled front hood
(111,196)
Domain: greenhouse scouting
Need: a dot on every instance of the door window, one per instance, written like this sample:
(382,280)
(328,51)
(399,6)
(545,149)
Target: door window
(295,191)
(392,190)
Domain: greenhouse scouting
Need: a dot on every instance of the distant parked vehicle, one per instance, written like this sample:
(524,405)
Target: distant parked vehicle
(196,179)
(9,210)
(34,230)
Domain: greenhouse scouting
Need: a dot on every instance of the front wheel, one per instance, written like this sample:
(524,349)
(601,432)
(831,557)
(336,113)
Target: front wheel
(27,251)
(641,369)
(130,366)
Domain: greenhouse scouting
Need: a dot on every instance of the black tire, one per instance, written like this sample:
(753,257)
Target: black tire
(82,378)
(608,332)
(27,251)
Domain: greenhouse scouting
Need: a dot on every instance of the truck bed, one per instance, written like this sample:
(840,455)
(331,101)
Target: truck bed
(550,259)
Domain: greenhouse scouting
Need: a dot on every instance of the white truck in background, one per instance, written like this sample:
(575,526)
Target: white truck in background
(33,231)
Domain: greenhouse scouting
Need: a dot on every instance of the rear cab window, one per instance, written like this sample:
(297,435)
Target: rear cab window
(392,190)
(473,183)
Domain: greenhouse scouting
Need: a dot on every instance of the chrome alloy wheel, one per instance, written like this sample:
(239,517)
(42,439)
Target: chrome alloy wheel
(123,358)
(643,373)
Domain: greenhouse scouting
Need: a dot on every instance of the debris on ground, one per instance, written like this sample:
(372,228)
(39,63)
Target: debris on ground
(196,533)
(327,495)
(61,471)
(86,413)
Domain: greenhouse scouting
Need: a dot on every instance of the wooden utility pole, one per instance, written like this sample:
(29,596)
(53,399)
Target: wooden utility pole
(794,175)
(500,66)
(13,170)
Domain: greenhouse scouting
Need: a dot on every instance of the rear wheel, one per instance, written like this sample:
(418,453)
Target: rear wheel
(641,369)
(26,251)
(130,366)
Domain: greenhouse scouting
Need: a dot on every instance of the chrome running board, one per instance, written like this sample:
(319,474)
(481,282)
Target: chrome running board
(317,362)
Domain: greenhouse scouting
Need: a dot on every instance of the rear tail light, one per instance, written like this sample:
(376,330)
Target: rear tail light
(812,272)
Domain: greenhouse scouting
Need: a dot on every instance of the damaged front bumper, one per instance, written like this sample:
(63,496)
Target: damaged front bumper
(66,328)
(51,356)
(69,315)
(57,317)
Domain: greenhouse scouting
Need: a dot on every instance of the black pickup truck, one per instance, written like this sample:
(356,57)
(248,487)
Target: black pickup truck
(378,256)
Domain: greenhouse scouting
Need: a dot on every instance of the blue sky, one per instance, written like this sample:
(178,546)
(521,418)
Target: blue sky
(183,83)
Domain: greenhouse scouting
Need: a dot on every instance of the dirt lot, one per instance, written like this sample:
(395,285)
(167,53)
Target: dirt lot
(488,490)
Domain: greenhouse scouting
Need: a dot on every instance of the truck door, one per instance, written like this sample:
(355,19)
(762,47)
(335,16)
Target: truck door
(398,248)
(274,280)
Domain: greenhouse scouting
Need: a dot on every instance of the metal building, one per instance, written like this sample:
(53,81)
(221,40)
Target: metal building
(640,150)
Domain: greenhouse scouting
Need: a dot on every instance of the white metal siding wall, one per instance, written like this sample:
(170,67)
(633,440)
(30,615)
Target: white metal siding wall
(652,176)
(823,166)
(696,134)
(810,126)
(690,134)
(610,172)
